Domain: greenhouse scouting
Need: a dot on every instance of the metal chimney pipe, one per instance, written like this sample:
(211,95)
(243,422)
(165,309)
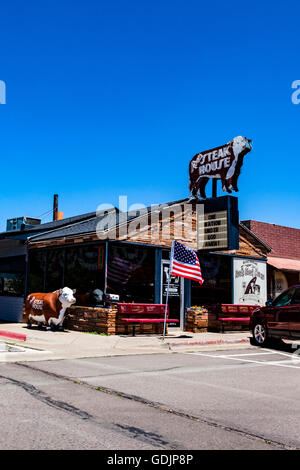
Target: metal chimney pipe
(55,206)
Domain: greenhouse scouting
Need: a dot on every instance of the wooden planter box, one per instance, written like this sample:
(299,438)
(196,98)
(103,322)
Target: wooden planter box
(202,320)
(91,319)
(206,319)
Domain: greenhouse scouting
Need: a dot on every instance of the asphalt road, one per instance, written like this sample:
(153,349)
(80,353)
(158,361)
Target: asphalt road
(234,399)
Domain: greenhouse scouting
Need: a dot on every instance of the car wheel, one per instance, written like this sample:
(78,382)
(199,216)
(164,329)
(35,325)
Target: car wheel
(260,334)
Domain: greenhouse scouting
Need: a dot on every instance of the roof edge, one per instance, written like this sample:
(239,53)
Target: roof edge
(269,249)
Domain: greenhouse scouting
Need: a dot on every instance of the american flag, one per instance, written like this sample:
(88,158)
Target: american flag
(185,263)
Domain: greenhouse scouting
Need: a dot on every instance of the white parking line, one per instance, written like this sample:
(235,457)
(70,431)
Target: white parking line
(262,363)
(251,354)
(278,352)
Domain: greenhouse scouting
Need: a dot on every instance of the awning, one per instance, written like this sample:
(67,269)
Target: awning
(284,264)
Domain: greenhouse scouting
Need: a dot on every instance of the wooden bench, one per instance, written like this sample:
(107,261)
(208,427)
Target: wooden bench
(235,313)
(135,314)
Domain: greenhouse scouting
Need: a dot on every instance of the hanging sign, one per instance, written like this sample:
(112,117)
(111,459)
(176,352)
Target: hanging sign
(218,224)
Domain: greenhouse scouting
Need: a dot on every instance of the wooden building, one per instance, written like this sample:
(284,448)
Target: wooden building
(129,253)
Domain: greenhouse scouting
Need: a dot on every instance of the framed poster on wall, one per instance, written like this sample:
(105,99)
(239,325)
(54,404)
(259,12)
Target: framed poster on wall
(249,281)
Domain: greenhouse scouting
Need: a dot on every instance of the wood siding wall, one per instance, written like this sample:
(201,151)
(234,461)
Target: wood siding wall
(160,228)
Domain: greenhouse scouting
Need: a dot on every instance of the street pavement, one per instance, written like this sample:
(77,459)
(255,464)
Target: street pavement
(74,390)
(246,398)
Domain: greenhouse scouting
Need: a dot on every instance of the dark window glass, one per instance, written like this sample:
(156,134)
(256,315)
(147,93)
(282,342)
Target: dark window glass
(54,270)
(296,298)
(12,276)
(166,254)
(85,272)
(37,259)
(284,298)
(12,284)
(131,273)
(216,272)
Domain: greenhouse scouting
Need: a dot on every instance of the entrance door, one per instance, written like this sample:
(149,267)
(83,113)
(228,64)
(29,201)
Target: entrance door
(176,294)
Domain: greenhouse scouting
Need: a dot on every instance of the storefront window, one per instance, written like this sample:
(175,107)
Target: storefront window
(12,277)
(54,270)
(216,272)
(37,260)
(85,269)
(131,273)
(81,268)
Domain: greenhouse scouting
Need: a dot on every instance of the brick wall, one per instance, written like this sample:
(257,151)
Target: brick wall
(90,319)
(284,241)
(103,320)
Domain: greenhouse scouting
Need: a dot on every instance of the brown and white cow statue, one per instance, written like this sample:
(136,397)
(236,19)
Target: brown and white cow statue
(49,308)
(222,163)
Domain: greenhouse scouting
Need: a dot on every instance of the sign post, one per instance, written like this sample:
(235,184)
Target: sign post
(167,296)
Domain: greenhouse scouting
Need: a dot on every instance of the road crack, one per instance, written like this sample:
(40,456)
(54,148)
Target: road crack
(165,409)
(140,434)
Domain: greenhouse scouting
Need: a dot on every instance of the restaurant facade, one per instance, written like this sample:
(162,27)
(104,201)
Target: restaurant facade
(114,255)
(128,255)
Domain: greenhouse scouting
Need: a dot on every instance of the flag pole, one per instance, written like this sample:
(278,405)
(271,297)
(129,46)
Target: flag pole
(167,296)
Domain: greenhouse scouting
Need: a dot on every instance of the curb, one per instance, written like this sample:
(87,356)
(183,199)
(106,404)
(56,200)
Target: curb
(208,342)
(12,335)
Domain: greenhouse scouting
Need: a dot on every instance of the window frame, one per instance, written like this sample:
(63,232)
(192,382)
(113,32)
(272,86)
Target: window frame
(297,289)
(281,295)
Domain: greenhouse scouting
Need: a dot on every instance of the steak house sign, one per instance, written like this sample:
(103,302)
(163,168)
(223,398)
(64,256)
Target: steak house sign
(222,163)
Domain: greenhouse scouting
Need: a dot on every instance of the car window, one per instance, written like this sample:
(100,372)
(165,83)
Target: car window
(284,298)
(296,298)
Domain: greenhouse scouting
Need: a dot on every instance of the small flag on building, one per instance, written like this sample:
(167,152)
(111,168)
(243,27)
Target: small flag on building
(185,263)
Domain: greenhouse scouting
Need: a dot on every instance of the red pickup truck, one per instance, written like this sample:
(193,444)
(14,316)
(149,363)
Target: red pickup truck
(278,319)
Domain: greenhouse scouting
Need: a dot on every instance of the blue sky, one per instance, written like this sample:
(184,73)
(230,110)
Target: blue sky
(109,98)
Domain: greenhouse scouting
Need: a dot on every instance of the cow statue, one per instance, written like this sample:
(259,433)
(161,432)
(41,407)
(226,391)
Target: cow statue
(49,309)
(222,163)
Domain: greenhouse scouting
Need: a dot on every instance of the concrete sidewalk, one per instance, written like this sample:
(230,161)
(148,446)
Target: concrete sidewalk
(45,345)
